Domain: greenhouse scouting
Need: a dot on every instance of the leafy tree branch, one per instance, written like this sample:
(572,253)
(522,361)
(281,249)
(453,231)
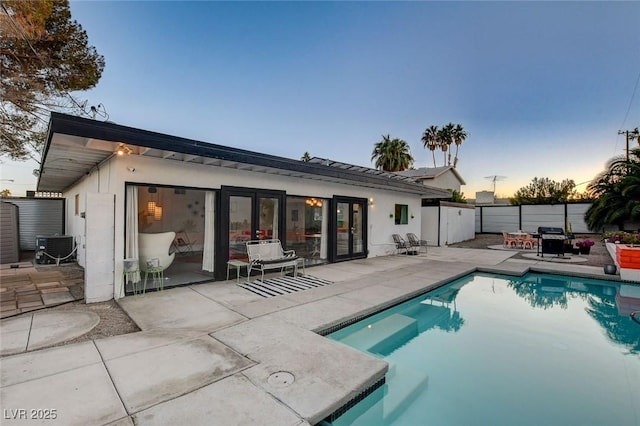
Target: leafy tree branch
(44,55)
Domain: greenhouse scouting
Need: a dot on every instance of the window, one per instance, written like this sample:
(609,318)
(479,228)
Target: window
(77,207)
(402,214)
(307,221)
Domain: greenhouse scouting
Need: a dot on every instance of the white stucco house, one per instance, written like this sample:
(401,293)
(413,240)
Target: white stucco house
(445,177)
(122,183)
(443,222)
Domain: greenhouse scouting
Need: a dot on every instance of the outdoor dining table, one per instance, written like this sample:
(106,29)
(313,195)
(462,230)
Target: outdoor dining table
(518,234)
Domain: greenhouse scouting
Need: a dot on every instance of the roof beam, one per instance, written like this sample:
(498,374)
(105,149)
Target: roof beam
(210,161)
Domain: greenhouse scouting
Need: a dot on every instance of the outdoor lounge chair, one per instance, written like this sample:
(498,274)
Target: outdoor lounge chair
(415,242)
(401,244)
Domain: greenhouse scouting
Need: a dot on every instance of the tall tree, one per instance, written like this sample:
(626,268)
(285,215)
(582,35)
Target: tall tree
(545,191)
(616,193)
(459,136)
(445,137)
(44,55)
(430,141)
(392,155)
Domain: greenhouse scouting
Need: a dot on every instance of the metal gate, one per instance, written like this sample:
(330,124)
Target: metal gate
(9,249)
(38,216)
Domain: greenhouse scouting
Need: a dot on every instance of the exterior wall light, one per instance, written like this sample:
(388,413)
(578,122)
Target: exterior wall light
(123,149)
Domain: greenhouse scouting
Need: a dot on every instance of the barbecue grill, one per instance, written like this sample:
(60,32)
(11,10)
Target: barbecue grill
(552,240)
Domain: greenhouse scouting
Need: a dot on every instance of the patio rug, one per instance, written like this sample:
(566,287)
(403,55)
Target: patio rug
(283,285)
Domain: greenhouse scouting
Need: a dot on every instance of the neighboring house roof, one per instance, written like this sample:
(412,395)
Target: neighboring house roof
(425,173)
(75,146)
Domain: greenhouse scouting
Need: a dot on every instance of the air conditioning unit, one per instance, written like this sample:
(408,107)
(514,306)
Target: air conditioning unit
(54,249)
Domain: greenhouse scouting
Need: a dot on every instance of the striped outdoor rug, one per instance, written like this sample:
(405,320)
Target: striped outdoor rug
(283,285)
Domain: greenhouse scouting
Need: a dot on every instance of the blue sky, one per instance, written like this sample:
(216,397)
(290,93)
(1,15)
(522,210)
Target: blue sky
(541,87)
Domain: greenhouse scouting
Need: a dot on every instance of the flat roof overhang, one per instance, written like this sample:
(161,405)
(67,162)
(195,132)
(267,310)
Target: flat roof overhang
(75,146)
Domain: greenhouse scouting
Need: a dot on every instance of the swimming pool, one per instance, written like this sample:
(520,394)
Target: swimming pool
(496,350)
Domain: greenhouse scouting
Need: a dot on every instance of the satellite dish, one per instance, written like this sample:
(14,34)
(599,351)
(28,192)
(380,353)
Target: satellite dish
(494,179)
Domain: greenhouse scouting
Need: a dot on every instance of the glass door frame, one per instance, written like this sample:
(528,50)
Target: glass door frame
(363,202)
(222,242)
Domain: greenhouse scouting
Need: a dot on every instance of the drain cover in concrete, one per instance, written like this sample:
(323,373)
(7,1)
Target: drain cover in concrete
(281,379)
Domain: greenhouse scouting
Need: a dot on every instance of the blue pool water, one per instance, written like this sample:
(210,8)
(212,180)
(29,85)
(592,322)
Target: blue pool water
(496,350)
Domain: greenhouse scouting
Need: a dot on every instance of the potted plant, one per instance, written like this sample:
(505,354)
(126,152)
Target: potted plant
(585,246)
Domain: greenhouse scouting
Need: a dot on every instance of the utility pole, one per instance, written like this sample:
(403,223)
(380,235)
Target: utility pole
(629,134)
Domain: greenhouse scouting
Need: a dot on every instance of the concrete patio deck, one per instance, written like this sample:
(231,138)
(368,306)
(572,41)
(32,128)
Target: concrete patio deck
(218,354)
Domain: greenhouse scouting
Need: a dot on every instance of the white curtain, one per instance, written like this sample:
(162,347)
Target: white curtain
(325,229)
(209,214)
(131,236)
(276,212)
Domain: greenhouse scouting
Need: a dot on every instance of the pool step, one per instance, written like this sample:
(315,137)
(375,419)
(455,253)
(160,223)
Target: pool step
(384,335)
(389,401)
(404,385)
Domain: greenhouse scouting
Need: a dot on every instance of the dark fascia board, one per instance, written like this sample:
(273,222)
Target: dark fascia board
(88,128)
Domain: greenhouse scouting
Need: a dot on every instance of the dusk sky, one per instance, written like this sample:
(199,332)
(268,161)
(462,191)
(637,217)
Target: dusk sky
(541,87)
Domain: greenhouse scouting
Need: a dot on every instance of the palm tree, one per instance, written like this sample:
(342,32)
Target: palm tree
(605,311)
(392,155)
(616,192)
(430,141)
(459,136)
(445,138)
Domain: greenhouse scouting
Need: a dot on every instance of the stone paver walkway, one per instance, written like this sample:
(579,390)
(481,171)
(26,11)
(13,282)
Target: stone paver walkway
(26,288)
